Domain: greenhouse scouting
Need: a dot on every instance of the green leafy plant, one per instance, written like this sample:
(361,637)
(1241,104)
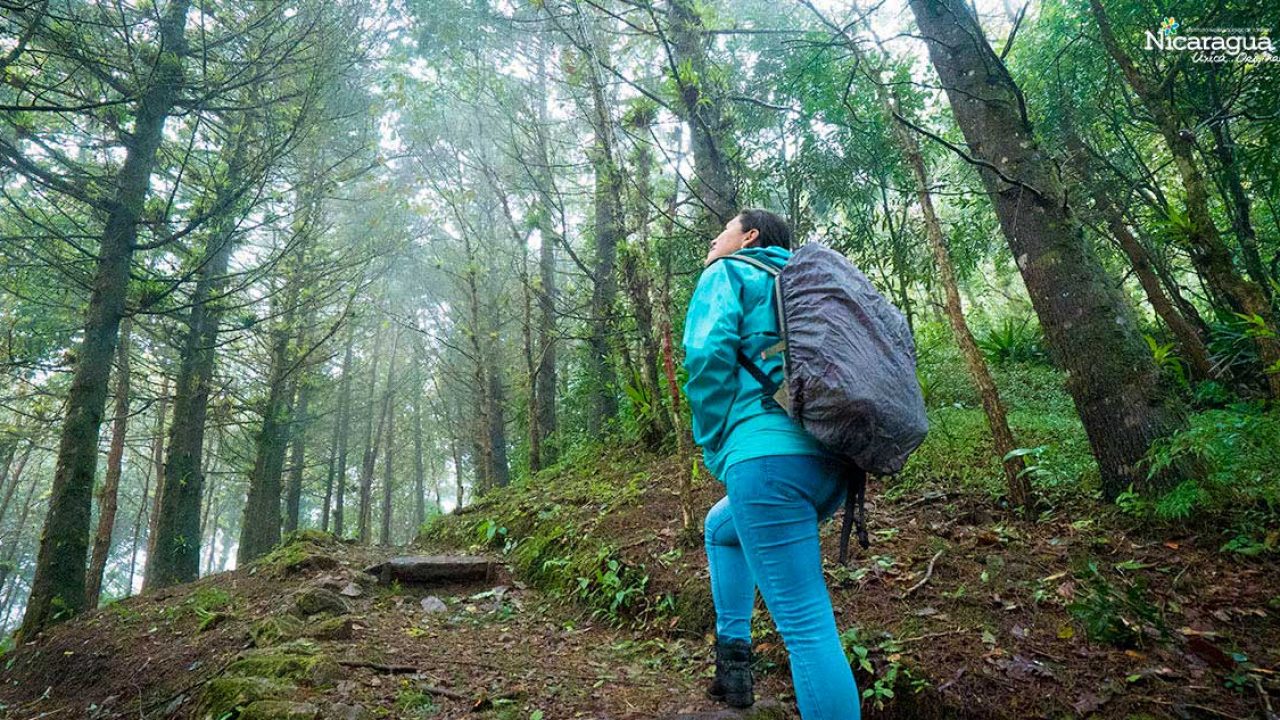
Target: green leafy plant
(1012,340)
(1238,448)
(1112,615)
(1167,360)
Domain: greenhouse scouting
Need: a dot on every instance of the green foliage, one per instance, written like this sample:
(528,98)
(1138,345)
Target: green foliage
(1233,343)
(1168,361)
(893,674)
(1239,449)
(1013,340)
(542,528)
(1119,616)
(415,703)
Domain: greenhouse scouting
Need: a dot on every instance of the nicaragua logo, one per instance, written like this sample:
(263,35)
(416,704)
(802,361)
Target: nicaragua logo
(1213,44)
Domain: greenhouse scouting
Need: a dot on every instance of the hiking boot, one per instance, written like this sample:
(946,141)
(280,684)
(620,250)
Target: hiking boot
(732,684)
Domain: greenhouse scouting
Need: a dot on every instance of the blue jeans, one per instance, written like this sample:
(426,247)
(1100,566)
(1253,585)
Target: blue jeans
(764,534)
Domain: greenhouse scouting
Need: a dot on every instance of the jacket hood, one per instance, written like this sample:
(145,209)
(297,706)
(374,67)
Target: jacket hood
(773,255)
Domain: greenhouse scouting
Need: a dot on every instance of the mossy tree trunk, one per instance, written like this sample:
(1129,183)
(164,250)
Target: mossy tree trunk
(1209,253)
(109,493)
(58,588)
(343,427)
(1091,331)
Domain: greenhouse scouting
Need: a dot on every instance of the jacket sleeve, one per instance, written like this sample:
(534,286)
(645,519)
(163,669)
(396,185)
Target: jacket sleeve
(711,343)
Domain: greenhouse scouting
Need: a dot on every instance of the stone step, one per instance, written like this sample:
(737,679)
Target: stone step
(433,569)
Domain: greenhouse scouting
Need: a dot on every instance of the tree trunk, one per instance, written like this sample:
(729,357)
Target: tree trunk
(344,429)
(457,474)
(1209,254)
(8,448)
(639,283)
(58,588)
(545,380)
(215,513)
(703,104)
(609,231)
(665,301)
(177,535)
(109,494)
(1224,148)
(388,468)
(1189,340)
(12,543)
(293,492)
(260,528)
(1016,480)
(157,465)
(500,469)
(370,451)
(419,473)
(138,519)
(1090,330)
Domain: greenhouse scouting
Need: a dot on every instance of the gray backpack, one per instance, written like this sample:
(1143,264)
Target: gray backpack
(849,370)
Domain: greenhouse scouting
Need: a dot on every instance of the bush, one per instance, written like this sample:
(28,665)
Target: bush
(1013,340)
(1239,447)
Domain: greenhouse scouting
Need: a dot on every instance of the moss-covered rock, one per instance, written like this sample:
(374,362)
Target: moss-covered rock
(695,607)
(316,600)
(223,696)
(276,629)
(333,628)
(279,710)
(296,661)
(302,550)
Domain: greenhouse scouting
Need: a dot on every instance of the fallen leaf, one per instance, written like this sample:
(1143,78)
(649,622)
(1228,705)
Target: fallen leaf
(1066,632)
(1210,653)
(1067,590)
(1089,702)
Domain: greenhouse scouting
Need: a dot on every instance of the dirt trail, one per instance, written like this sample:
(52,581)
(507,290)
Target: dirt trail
(478,649)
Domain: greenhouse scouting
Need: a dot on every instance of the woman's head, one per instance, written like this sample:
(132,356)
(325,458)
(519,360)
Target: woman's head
(750,228)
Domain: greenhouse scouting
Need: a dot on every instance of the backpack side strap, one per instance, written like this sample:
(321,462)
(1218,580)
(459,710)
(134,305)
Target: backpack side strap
(855,511)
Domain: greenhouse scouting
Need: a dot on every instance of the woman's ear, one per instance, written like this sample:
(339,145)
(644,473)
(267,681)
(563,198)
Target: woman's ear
(750,237)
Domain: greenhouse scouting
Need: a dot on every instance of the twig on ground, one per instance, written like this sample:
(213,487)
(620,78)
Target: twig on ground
(1191,706)
(928,573)
(1266,700)
(407,670)
(389,669)
(926,498)
(944,633)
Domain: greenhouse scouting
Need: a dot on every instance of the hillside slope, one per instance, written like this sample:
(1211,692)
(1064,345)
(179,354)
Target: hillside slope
(602,611)
(956,610)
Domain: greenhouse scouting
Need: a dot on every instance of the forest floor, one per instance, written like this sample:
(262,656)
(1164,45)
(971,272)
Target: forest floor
(601,610)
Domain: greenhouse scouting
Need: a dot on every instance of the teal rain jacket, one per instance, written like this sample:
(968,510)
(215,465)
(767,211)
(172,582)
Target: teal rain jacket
(733,308)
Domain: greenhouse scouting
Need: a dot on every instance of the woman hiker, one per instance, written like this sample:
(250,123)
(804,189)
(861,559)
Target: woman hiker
(780,482)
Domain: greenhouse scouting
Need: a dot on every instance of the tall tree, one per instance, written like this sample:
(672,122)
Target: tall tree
(176,544)
(109,493)
(260,527)
(342,432)
(701,86)
(58,589)
(1209,253)
(1090,329)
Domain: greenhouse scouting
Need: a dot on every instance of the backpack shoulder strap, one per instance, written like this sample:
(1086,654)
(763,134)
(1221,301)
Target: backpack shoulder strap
(773,271)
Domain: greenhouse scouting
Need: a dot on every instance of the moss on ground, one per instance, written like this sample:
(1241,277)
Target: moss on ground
(224,697)
(302,550)
(297,661)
